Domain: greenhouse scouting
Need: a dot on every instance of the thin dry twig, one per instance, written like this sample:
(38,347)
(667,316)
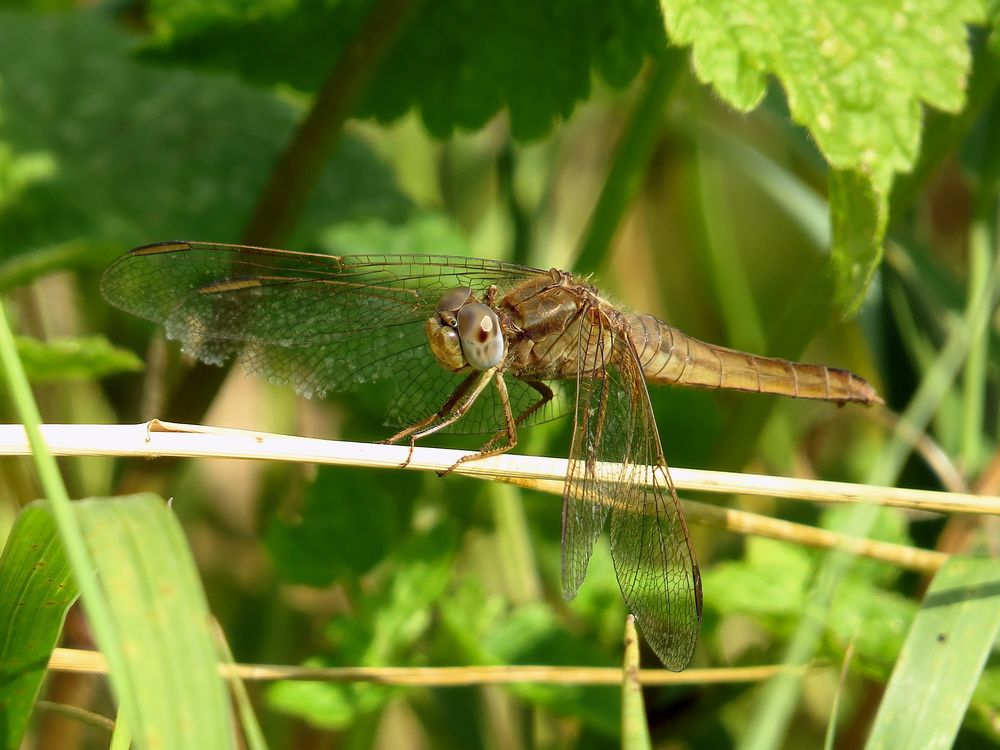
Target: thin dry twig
(92,662)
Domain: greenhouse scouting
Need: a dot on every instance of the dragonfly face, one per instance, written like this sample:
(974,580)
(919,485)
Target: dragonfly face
(465,333)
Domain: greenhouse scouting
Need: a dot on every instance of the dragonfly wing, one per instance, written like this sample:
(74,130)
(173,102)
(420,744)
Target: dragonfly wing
(616,445)
(585,507)
(313,321)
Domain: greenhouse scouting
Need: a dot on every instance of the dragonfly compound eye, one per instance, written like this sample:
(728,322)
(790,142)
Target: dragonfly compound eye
(481,337)
(453,300)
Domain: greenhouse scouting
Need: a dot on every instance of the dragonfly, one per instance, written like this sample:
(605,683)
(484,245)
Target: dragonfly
(481,346)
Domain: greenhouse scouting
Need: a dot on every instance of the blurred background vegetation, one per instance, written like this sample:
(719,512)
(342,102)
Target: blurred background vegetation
(562,134)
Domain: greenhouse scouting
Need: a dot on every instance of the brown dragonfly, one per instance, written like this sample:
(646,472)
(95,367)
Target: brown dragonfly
(472,346)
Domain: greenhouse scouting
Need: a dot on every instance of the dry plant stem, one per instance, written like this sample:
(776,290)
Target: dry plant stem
(155,439)
(92,662)
(743,522)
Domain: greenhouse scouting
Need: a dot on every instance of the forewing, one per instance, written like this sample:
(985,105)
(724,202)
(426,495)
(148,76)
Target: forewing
(616,446)
(315,322)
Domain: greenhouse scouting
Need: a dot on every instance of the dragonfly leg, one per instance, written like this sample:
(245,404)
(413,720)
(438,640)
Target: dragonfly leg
(450,412)
(547,395)
(415,431)
(509,432)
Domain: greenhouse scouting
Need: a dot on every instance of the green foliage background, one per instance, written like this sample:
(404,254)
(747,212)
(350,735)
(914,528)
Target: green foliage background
(807,180)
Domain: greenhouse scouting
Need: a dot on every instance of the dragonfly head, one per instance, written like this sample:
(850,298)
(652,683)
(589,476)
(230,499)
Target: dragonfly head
(465,333)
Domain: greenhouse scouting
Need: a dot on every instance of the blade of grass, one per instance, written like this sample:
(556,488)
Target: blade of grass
(974,381)
(251,727)
(121,738)
(942,658)
(36,591)
(630,161)
(163,621)
(726,272)
(635,729)
(98,610)
(781,695)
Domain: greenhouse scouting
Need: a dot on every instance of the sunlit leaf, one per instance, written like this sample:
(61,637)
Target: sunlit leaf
(854,73)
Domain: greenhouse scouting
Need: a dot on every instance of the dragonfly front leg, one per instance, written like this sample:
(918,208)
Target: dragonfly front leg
(450,412)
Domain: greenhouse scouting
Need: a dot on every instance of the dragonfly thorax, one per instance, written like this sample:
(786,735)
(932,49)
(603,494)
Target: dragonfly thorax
(465,333)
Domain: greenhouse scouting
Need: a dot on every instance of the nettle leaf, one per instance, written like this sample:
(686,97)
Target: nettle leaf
(457,62)
(855,74)
(101,152)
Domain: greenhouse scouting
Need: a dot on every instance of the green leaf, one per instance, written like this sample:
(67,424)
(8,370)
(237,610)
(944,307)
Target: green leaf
(349,523)
(70,88)
(162,619)
(942,659)
(458,63)
(74,359)
(382,629)
(859,213)
(771,582)
(874,620)
(854,73)
(36,591)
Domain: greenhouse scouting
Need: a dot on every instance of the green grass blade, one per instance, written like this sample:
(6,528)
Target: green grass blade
(945,650)
(630,161)
(635,730)
(145,566)
(36,590)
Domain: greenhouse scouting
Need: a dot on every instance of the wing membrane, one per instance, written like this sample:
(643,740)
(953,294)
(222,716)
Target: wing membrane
(316,322)
(615,446)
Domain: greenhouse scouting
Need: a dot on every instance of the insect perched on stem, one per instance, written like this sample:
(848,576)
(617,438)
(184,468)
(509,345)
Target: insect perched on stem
(473,345)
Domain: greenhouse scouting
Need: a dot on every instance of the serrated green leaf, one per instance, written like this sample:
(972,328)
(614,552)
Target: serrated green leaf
(36,591)
(458,63)
(854,72)
(191,152)
(74,359)
(859,213)
(942,659)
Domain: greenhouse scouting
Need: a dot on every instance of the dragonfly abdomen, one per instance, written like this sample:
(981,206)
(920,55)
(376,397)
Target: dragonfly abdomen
(671,357)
